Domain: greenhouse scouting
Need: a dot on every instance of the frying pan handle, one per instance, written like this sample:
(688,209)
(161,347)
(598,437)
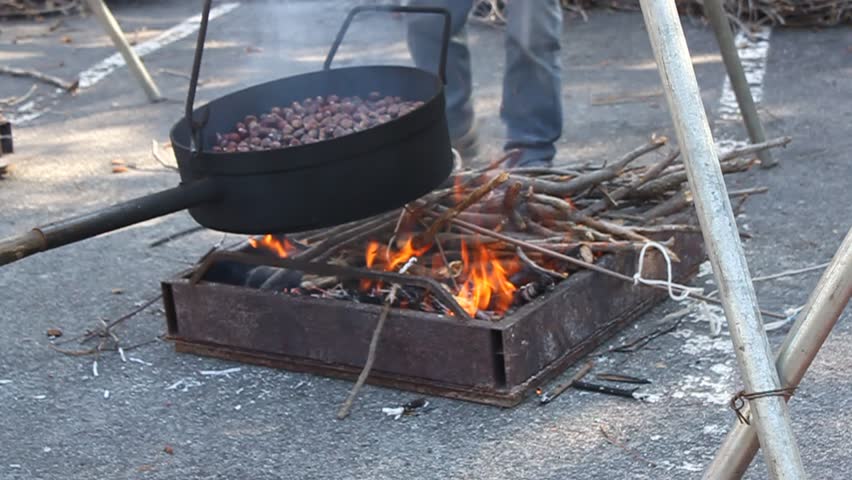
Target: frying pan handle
(108,219)
(196,126)
(445,34)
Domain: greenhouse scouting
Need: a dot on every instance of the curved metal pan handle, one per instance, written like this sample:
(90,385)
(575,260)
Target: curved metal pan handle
(196,126)
(445,34)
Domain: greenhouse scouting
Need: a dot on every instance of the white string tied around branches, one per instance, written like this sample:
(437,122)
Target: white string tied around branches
(683,291)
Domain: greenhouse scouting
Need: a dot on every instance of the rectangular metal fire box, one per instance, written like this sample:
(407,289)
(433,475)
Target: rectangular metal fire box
(487,362)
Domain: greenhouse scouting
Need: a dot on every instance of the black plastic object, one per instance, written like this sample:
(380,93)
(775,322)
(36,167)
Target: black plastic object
(325,183)
(5,137)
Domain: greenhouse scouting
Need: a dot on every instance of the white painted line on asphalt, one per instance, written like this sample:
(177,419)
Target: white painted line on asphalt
(30,111)
(753,49)
(185,28)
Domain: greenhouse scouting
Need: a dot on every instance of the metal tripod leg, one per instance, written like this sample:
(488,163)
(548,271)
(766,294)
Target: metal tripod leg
(721,238)
(716,14)
(807,335)
(134,63)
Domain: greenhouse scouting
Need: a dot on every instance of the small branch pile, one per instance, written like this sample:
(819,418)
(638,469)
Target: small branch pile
(799,13)
(34,8)
(582,213)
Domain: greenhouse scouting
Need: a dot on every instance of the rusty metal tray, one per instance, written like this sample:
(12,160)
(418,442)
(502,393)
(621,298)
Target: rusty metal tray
(494,363)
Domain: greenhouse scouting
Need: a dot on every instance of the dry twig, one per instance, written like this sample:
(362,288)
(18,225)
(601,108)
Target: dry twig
(70,87)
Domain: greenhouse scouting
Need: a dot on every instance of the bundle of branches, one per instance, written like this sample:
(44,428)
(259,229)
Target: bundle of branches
(34,8)
(481,236)
(797,13)
(822,13)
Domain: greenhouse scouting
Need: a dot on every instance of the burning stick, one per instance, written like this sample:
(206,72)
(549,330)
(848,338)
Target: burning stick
(472,198)
(357,233)
(538,268)
(586,265)
(374,343)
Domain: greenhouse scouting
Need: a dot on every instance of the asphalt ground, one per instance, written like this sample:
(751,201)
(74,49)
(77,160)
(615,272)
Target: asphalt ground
(262,423)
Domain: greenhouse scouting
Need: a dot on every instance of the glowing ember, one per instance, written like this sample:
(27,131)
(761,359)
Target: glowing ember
(269,242)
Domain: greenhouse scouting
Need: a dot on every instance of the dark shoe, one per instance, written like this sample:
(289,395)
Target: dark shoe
(528,161)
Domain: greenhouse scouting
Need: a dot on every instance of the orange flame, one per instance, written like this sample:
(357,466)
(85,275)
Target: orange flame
(487,285)
(390,260)
(269,242)
(484,278)
(372,251)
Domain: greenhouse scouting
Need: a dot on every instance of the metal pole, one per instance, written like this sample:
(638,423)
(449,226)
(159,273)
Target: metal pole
(718,18)
(721,238)
(134,63)
(807,335)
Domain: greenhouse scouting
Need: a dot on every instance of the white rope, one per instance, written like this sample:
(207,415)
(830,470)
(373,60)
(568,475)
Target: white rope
(683,290)
(716,318)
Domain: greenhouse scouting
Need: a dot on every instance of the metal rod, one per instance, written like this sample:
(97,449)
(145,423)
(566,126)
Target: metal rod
(195,136)
(445,33)
(134,63)
(807,335)
(721,237)
(715,12)
(106,220)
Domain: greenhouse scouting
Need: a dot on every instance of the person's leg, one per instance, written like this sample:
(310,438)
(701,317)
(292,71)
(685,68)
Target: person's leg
(424,42)
(532,86)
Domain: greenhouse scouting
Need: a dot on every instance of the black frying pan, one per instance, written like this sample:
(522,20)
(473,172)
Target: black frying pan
(296,188)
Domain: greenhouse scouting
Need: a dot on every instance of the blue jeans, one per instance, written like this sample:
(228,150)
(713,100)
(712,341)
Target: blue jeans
(532,98)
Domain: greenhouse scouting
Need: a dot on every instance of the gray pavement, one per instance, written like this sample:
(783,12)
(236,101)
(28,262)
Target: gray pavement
(262,423)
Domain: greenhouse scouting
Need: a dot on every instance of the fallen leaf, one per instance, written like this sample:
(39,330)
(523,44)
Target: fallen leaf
(120,169)
(54,332)
(586,254)
(168,449)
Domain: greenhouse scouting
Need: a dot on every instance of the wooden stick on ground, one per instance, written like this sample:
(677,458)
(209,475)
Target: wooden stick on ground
(374,343)
(12,101)
(371,356)
(546,398)
(20,72)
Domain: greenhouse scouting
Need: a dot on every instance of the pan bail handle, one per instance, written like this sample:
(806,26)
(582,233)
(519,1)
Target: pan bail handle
(196,126)
(445,34)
